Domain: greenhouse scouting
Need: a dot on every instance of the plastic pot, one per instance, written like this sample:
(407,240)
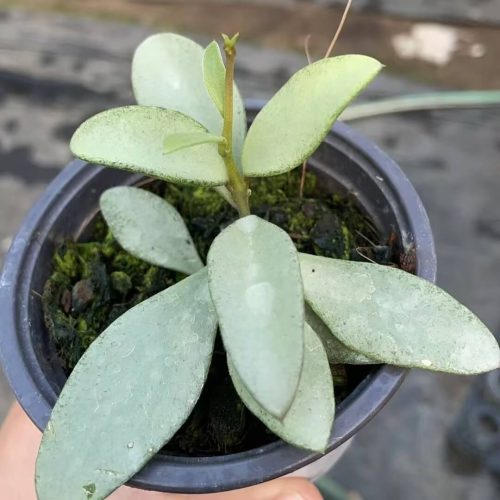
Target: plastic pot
(346,162)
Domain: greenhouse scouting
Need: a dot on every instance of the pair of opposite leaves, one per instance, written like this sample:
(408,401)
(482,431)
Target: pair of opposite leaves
(131,398)
(179,87)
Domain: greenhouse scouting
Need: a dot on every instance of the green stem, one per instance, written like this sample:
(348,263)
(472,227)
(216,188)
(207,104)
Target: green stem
(237,186)
(236,182)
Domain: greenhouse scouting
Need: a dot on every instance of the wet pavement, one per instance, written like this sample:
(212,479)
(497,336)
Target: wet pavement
(55,71)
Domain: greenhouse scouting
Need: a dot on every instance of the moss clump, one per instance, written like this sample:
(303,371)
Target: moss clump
(95,281)
(91,285)
(322,224)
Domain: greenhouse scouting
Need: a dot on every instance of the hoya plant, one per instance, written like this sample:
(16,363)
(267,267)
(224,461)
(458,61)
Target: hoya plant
(284,317)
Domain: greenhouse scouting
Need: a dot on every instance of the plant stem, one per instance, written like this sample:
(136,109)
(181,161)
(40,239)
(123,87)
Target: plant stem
(237,186)
(236,182)
(227,130)
(302,179)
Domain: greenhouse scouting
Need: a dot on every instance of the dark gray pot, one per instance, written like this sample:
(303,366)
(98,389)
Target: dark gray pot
(346,162)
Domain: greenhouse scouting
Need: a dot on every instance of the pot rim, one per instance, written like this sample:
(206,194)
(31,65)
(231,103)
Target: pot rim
(198,474)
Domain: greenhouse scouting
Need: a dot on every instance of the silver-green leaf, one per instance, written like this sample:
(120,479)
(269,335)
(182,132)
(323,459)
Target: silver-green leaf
(255,283)
(130,392)
(294,122)
(176,142)
(167,71)
(337,352)
(308,422)
(150,228)
(396,317)
(132,138)
(214,75)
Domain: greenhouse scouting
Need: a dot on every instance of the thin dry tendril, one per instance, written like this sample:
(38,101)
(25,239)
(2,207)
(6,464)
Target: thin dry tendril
(309,61)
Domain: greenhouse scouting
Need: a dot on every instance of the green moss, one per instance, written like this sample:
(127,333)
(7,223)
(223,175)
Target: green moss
(120,282)
(95,281)
(92,284)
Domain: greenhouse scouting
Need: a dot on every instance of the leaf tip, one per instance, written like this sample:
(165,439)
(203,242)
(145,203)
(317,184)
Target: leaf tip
(320,448)
(74,143)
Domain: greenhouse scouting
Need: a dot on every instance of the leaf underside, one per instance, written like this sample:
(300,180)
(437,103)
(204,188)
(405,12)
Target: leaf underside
(337,352)
(255,283)
(226,194)
(167,71)
(150,228)
(396,317)
(308,422)
(132,138)
(294,122)
(130,392)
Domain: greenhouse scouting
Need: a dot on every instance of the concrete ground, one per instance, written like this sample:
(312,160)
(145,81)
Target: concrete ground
(57,70)
(461,54)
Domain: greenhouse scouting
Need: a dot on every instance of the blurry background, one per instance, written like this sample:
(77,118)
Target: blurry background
(62,61)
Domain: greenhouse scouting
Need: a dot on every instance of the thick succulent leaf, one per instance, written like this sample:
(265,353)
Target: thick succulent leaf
(132,389)
(132,138)
(295,121)
(214,75)
(167,71)
(255,283)
(175,142)
(150,228)
(309,420)
(396,317)
(337,352)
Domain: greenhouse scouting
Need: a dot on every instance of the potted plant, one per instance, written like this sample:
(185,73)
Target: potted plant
(284,316)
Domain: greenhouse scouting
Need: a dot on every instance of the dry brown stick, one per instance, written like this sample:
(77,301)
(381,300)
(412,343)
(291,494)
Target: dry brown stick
(309,60)
(339,29)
